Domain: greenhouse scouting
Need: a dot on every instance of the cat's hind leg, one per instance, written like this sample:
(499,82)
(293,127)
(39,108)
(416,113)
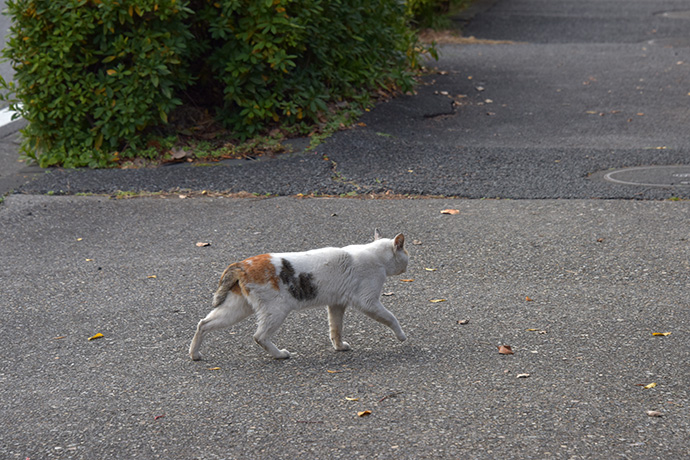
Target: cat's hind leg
(270,320)
(234,309)
(335,322)
(375,310)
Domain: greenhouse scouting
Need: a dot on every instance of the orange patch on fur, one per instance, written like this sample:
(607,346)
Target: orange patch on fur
(260,270)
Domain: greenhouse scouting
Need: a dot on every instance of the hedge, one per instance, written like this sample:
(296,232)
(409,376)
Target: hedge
(98,78)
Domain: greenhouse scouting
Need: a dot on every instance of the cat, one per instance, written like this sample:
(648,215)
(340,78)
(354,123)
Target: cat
(273,285)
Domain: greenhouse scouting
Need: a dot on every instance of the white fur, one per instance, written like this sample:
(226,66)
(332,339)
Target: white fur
(342,277)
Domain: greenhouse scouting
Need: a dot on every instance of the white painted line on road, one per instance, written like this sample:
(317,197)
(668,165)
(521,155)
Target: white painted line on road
(6,117)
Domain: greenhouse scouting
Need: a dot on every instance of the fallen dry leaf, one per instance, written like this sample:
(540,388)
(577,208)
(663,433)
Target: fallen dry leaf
(151,276)
(654,413)
(351,399)
(408,280)
(505,350)
(651,385)
(387,294)
(528,299)
(59,337)
(203,245)
(416,242)
(178,153)
(364,413)
(437,300)
(158,416)
(522,376)
(333,372)
(660,334)
(97,336)
(214,368)
(450,211)
(463,321)
(430,269)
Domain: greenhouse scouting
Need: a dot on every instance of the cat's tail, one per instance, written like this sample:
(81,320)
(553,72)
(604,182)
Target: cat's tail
(229,281)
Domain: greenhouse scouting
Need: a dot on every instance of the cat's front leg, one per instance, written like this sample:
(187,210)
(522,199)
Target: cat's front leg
(335,322)
(375,310)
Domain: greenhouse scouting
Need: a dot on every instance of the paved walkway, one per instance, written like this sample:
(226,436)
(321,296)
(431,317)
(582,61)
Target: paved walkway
(576,287)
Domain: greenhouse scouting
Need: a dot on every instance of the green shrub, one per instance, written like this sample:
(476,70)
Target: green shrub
(92,76)
(284,61)
(434,14)
(98,77)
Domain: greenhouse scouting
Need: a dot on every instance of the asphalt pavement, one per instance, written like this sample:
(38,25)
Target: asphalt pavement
(573,271)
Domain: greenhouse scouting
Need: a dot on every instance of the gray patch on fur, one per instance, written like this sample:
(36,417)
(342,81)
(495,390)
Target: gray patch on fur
(300,287)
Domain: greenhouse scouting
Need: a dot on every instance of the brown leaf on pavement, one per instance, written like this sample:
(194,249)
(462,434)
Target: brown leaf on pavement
(505,350)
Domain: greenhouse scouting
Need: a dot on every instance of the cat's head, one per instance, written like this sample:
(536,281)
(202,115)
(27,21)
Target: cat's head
(396,264)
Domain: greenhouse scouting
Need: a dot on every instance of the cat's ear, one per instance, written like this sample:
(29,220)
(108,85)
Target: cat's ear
(399,242)
(377,234)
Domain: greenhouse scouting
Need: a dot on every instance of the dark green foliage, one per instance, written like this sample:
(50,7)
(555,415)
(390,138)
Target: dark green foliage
(284,61)
(434,14)
(91,76)
(98,77)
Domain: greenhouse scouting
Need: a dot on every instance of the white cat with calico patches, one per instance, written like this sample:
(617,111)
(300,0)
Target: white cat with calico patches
(273,285)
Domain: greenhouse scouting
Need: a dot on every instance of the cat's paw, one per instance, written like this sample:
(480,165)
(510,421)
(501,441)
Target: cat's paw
(282,354)
(344,346)
(196,356)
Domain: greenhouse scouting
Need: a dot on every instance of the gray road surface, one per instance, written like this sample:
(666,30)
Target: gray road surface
(603,276)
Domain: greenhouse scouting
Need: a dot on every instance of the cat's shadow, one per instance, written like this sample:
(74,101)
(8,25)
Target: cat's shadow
(358,359)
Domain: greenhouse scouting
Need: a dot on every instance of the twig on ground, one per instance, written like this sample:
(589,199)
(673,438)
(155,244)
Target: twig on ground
(391,395)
